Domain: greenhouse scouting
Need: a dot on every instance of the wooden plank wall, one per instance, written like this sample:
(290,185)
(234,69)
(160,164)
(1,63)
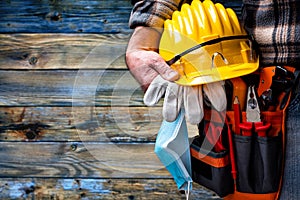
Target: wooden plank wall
(72,121)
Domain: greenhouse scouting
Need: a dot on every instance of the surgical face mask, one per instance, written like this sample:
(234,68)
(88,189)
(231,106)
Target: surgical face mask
(172,148)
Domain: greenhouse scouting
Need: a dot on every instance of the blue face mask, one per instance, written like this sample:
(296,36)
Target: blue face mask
(173,149)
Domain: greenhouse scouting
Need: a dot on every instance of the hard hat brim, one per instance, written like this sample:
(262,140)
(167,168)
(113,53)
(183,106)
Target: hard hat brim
(217,74)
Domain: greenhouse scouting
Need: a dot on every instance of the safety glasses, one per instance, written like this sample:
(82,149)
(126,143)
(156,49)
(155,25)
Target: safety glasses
(215,60)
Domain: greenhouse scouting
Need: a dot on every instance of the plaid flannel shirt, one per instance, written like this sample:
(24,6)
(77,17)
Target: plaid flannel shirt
(274,24)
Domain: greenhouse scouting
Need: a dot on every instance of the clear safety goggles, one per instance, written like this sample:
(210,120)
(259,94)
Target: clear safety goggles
(215,60)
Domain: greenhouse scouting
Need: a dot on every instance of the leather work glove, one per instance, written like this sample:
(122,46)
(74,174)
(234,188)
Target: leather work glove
(190,97)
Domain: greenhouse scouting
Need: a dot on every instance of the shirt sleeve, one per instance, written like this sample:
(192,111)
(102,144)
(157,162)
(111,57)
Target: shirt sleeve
(152,13)
(275,26)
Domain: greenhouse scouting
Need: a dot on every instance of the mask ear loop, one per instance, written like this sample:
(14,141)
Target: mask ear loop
(187,192)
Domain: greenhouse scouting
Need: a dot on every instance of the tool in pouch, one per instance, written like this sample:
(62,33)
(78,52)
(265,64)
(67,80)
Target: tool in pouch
(258,151)
(254,123)
(259,139)
(275,85)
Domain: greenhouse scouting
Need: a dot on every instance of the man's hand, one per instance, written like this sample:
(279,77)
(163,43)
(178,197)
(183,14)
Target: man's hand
(143,60)
(148,67)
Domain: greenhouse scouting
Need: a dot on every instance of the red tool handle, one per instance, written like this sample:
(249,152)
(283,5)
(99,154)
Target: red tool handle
(231,153)
(237,115)
(246,128)
(261,129)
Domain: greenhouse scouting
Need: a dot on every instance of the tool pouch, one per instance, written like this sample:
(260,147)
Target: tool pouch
(211,169)
(259,159)
(210,165)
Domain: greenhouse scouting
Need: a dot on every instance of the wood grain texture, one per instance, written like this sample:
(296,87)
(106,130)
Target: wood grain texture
(92,189)
(118,124)
(72,120)
(69,88)
(68,16)
(71,16)
(62,51)
(79,159)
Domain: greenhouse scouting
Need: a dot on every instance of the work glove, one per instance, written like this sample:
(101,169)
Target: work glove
(189,97)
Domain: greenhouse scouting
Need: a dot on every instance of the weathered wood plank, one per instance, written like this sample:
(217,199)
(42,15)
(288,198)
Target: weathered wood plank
(87,124)
(62,51)
(69,16)
(116,124)
(79,159)
(109,189)
(69,88)
(50,146)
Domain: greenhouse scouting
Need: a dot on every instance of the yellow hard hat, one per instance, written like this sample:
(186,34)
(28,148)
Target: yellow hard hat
(205,43)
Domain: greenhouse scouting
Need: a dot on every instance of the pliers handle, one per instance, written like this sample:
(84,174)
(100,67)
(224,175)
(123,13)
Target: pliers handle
(252,110)
(248,128)
(261,128)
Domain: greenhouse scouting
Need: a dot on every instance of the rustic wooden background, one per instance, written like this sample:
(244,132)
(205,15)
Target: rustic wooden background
(72,121)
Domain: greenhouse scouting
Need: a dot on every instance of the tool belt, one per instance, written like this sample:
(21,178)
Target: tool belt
(239,158)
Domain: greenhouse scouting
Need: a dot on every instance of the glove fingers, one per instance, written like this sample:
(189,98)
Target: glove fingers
(193,104)
(155,91)
(172,102)
(216,95)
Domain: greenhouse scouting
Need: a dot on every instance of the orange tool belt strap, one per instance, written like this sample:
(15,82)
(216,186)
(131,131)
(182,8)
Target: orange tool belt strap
(210,160)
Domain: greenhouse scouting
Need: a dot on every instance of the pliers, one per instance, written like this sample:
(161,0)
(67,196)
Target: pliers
(254,123)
